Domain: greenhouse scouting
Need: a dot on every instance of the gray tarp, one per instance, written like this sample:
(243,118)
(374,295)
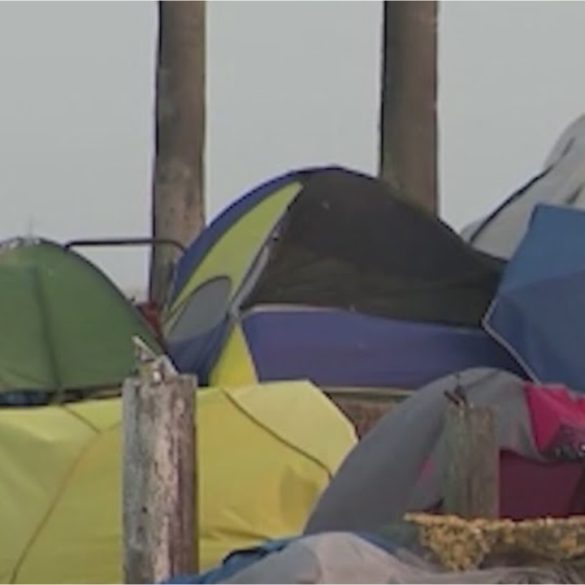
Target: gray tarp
(339,557)
(561,182)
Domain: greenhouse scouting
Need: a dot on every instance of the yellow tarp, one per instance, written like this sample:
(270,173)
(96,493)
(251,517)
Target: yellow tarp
(265,454)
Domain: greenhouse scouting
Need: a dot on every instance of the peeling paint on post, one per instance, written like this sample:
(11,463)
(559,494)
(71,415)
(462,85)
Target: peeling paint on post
(159,475)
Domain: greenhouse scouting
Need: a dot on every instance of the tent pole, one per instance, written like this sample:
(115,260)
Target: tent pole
(159,474)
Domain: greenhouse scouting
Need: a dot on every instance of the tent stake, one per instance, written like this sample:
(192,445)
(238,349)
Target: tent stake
(471,482)
(159,474)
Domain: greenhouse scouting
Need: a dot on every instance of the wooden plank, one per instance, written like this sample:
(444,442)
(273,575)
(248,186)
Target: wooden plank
(367,393)
(159,474)
(471,485)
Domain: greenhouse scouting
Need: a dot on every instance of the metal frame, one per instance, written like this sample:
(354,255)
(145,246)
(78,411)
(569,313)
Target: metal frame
(125,242)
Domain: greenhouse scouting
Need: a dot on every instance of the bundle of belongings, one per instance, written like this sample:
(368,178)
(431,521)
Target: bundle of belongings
(379,520)
(406,552)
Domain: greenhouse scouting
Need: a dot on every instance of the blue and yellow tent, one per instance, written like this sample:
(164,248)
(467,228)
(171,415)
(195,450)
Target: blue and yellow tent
(264,458)
(330,275)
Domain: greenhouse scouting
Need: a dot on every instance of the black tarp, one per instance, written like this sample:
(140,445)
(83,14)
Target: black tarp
(352,242)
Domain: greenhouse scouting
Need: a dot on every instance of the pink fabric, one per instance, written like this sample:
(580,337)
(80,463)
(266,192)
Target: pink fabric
(530,489)
(533,489)
(550,407)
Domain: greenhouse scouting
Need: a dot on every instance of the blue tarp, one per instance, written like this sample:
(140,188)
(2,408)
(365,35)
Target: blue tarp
(333,347)
(539,310)
(234,563)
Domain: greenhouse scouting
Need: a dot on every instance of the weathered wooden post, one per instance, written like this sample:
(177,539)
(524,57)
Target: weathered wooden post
(159,472)
(471,483)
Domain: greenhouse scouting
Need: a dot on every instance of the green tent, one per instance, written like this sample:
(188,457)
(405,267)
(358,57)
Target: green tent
(63,324)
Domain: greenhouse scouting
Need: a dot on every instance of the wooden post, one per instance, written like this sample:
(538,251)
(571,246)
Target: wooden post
(408,118)
(159,474)
(471,488)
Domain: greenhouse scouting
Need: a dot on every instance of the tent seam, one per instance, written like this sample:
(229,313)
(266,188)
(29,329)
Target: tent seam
(281,439)
(56,499)
(82,419)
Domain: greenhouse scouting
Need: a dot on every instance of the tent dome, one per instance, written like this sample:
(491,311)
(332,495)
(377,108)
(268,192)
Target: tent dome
(327,274)
(65,324)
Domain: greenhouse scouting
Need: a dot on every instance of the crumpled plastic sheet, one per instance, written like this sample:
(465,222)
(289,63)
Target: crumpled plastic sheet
(343,557)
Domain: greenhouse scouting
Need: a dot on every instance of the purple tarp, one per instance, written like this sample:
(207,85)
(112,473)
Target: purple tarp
(340,348)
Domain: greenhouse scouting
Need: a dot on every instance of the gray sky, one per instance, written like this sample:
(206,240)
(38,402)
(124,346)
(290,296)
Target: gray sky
(510,81)
(289,84)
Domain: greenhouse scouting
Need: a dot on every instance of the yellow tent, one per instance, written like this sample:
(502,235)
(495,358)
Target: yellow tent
(265,454)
